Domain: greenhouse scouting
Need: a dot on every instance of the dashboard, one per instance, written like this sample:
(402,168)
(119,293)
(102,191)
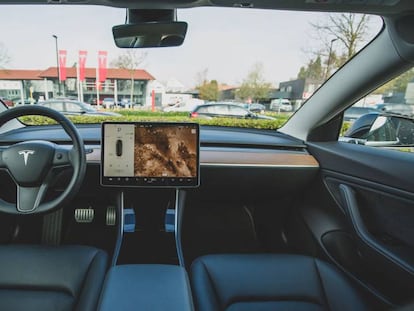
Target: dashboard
(230,159)
(236,168)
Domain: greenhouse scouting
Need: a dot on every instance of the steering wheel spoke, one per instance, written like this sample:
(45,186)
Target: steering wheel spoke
(31,163)
(29,198)
(62,157)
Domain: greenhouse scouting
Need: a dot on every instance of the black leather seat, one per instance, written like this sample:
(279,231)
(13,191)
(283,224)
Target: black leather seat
(265,282)
(50,278)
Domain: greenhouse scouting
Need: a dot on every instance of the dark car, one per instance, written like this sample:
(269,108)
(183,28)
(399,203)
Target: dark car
(71,107)
(255,107)
(220,110)
(353,113)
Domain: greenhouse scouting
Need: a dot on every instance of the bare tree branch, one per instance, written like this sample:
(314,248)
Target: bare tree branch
(4,56)
(130,60)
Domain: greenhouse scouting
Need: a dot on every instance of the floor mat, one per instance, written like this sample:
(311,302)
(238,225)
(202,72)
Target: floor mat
(217,229)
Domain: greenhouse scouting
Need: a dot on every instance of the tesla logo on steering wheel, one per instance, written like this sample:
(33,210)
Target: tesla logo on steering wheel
(26,154)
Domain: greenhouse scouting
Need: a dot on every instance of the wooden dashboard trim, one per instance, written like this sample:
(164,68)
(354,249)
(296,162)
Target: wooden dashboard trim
(272,159)
(238,158)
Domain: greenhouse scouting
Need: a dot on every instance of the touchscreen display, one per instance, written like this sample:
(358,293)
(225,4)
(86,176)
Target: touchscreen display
(150,154)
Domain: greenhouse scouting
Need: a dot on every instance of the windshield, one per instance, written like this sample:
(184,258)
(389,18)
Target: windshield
(231,58)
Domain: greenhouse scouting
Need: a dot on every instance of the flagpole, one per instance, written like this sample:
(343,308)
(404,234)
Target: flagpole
(57,65)
(97,87)
(78,82)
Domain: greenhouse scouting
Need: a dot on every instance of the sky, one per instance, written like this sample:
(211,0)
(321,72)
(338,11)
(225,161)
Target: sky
(226,42)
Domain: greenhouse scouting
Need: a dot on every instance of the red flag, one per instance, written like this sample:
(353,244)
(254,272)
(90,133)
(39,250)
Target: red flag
(82,63)
(102,56)
(62,64)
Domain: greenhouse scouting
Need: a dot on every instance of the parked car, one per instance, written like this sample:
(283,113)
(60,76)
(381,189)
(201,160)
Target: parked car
(71,107)
(179,107)
(108,102)
(281,104)
(353,113)
(402,109)
(27,101)
(255,107)
(220,110)
(7,102)
(92,101)
(126,103)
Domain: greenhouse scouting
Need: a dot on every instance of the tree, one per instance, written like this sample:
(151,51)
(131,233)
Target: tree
(347,30)
(130,60)
(397,85)
(4,56)
(209,90)
(314,70)
(254,87)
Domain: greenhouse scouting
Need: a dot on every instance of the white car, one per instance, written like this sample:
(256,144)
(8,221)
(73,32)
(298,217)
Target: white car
(281,105)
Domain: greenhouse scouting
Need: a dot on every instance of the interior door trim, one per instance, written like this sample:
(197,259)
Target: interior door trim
(352,210)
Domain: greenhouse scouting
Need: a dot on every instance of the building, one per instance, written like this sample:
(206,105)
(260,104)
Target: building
(43,84)
(296,91)
(17,85)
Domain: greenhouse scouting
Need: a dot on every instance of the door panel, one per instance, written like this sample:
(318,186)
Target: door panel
(374,191)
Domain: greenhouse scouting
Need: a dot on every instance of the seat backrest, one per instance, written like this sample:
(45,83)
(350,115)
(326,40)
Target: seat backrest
(34,277)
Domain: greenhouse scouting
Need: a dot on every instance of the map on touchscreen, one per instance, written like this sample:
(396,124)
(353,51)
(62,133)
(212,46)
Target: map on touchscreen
(151,153)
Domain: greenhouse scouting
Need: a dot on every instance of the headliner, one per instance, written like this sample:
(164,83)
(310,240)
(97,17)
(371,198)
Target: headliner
(379,7)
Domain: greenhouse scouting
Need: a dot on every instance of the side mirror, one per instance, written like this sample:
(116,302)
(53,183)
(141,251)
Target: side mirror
(375,129)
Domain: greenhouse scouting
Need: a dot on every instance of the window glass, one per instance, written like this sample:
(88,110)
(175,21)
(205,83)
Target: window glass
(384,118)
(277,59)
(237,111)
(73,107)
(57,106)
(218,109)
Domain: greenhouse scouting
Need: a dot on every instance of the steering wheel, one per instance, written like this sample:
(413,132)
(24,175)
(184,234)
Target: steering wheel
(31,164)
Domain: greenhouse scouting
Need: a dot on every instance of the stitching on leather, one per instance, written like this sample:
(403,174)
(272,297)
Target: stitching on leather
(321,282)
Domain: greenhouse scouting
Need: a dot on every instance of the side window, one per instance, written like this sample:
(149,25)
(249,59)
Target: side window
(202,110)
(384,118)
(57,106)
(238,111)
(72,107)
(219,109)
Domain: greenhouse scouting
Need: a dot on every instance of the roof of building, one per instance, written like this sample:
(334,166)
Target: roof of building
(13,74)
(51,72)
(226,87)
(112,73)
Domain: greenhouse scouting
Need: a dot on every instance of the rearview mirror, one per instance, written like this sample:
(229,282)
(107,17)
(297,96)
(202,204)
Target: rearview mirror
(149,34)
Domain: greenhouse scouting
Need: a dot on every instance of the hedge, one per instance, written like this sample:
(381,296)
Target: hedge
(133,115)
(163,117)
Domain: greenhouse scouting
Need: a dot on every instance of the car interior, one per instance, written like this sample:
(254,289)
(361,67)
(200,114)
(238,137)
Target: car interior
(251,219)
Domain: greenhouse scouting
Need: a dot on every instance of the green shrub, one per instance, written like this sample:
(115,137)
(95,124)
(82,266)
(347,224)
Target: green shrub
(345,126)
(141,116)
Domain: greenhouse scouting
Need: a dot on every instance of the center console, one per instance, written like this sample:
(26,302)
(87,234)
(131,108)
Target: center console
(138,156)
(146,287)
